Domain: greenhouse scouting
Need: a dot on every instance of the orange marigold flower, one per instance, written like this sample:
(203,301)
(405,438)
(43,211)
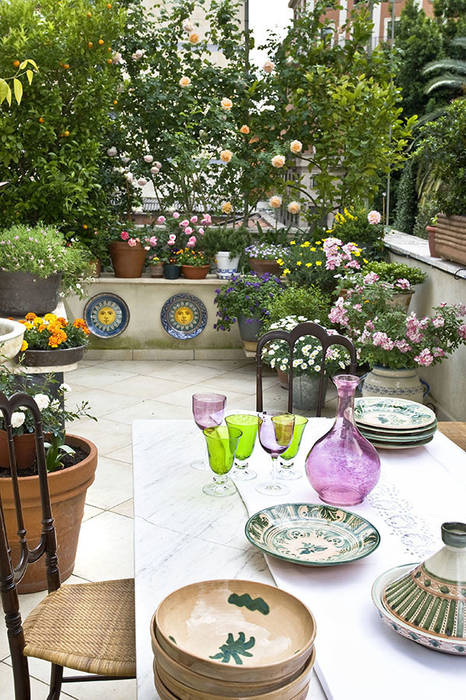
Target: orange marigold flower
(62,321)
(30,316)
(41,328)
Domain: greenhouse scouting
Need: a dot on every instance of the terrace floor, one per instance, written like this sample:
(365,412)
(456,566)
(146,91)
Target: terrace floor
(118,393)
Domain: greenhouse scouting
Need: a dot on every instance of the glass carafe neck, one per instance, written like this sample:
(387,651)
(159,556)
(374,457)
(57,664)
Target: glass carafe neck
(346,385)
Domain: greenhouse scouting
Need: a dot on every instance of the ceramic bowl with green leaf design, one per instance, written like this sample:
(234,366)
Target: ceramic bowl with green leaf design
(235,630)
(312,534)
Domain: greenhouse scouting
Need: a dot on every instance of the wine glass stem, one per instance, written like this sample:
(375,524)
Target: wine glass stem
(274,469)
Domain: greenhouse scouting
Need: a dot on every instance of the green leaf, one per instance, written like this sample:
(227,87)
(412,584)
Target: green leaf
(33,63)
(18,88)
(29,74)
(3,89)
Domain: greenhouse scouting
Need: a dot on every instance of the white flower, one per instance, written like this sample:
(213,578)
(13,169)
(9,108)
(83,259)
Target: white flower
(154,170)
(117,58)
(17,419)
(188,26)
(111,152)
(124,159)
(148,158)
(317,368)
(269,66)
(278,161)
(158,164)
(129,177)
(42,401)
(142,181)
(65,387)
(342,365)
(304,366)
(185,81)
(283,368)
(137,54)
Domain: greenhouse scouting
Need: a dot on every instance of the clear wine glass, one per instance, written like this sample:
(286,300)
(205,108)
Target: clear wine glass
(275,436)
(208,412)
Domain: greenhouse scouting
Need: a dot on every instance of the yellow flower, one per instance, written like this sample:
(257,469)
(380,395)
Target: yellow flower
(309,264)
(318,263)
(306,244)
(226,156)
(24,346)
(194,38)
(357,253)
(278,161)
(292,242)
(275,201)
(184,81)
(313,250)
(319,242)
(286,271)
(299,263)
(226,104)
(365,261)
(294,207)
(245,129)
(227,207)
(296,146)
(50,318)
(30,316)
(38,321)
(280,262)
(366,301)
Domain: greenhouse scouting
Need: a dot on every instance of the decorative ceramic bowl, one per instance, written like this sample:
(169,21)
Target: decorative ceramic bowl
(288,691)
(213,685)
(392,413)
(427,602)
(312,534)
(235,630)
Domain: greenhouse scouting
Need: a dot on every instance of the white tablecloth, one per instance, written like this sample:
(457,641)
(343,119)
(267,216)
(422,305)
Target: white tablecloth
(358,657)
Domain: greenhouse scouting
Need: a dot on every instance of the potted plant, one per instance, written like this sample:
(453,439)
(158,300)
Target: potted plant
(245,299)
(52,340)
(361,227)
(156,266)
(400,277)
(307,361)
(226,245)
(35,263)
(128,254)
(393,344)
(194,263)
(71,462)
(262,257)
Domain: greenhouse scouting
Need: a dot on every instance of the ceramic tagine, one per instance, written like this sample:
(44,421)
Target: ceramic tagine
(427,603)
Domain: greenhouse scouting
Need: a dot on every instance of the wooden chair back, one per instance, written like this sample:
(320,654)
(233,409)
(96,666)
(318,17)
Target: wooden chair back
(326,340)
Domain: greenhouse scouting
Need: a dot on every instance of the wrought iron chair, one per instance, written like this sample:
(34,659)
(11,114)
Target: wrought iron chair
(86,627)
(291,337)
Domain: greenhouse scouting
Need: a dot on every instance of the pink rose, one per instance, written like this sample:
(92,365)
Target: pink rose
(188,230)
(132,242)
(201,231)
(193,219)
(185,222)
(171,239)
(176,215)
(206,219)
(161,220)
(124,235)
(438,321)
(462,331)
(153,240)
(374,217)
(425,358)
(191,242)
(403,283)
(371,278)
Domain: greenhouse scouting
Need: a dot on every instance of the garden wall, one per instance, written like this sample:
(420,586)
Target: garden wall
(145,337)
(446,281)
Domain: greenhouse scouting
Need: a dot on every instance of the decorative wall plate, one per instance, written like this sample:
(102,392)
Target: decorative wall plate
(107,315)
(312,534)
(183,316)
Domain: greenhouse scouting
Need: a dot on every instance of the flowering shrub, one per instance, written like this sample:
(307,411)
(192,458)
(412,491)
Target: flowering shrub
(176,231)
(42,251)
(319,263)
(308,354)
(248,295)
(50,332)
(391,272)
(265,251)
(299,301)
(385,336)
(362,227)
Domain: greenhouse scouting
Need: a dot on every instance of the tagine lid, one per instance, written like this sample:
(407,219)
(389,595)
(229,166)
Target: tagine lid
(432,597)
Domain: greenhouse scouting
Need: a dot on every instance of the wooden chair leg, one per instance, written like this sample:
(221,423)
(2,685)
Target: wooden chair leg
(56,677)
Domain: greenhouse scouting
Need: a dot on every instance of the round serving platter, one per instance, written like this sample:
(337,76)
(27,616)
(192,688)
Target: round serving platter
(394,433)
(400,446)
(397,438)
(392,413)
(312,534)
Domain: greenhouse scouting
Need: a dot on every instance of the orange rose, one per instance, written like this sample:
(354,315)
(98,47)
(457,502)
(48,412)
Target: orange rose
(245,129)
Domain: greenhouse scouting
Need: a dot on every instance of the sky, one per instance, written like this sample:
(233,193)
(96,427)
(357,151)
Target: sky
(267,14)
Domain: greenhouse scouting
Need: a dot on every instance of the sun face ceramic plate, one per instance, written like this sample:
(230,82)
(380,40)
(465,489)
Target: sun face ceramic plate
(392,413)
(183,316)
(312,534)
(107,315)
(415,634)
(231,625)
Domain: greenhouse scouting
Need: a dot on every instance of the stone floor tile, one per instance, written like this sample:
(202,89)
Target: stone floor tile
(103,433)
(105,549)
(112,485)
(90,512)
(184,372)
(126,508)
(241,382)
(144,387)
(93,377)
(39,690)
(101,401)
(123,454)
(182,397)
(146,410)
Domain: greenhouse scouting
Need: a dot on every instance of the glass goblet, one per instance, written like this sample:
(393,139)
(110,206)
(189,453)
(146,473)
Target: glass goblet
(208,412)
(221,446)
(248,425)
(287,469)
(275,436)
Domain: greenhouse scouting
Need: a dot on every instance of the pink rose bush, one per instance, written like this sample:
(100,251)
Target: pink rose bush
(385,335)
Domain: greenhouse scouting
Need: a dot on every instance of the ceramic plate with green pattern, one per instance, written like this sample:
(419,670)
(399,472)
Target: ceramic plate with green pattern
(392,413)
(312,534)
(398,438)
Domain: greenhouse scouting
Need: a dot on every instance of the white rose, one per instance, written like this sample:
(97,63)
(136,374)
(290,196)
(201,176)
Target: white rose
(17,419)
(188,26)
(317,368)
(111,152)
(124,159)
(65,387)
(154,170)
(142,181)
(148,158)
(42,401)
(158,164)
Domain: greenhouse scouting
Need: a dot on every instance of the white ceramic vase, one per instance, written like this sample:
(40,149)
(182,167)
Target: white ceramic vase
(399,383)
(226,265)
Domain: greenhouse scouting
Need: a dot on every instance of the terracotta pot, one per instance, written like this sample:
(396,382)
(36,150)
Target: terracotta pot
(432,248)
(195,272)
(20,293)
(260,267)
(53,358)
(25,448)
(156,270)
(449,238)
(67,495)
(127,261)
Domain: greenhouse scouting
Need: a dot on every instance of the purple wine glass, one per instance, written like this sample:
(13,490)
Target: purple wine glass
(208,412)
(342,466)
(275,436)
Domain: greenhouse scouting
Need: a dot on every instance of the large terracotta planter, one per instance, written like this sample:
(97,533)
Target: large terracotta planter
(53,358)
(127,261)
(398,383)
(261,267)
(20,293)
(67,495)
(195,272)
(447,239)
(25,448)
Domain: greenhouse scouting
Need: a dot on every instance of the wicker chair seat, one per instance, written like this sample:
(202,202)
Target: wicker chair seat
(87,627)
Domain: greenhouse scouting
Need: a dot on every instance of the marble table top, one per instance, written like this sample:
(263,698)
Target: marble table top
(180,534)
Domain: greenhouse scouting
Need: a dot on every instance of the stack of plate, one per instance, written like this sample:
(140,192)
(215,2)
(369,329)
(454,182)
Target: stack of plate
(394,424)
(215,640)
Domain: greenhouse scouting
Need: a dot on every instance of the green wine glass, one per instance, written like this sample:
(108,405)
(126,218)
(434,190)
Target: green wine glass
(287,469)
(221,446)
(248,425)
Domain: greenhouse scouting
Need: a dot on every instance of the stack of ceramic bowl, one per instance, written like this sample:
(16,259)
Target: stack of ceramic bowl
(215,640)
(394,424)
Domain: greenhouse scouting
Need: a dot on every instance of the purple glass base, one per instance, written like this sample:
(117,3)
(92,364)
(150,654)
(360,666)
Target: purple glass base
(341,497)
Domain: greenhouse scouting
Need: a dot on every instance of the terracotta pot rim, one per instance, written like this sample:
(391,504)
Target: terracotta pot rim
(138,246)
(197,267)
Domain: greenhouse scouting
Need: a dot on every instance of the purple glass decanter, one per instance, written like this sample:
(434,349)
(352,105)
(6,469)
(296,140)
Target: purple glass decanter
(342,466)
